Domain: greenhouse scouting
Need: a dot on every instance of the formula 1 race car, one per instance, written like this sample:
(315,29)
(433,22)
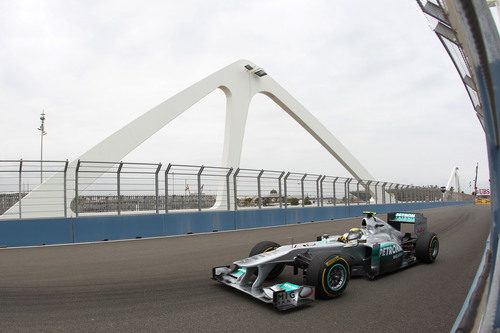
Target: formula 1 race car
(328,263)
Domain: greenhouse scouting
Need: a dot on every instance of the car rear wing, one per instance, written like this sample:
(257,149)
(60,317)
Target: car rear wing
(418,220)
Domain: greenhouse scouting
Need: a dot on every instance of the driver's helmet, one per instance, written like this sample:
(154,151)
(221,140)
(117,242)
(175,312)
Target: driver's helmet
(354,234)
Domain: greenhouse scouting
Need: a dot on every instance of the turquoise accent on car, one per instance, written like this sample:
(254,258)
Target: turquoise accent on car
(343,282)
(375,266)
(239,272)
(287,286)
(405,217)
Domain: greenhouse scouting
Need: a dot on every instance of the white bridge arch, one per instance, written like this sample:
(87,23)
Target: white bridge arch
(240,81)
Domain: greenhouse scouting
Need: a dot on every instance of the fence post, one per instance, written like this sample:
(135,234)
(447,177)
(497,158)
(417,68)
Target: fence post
(383,193)
(65,179)
(286,193)
(396,193)
(19,193)
(259,194)
(345,192)
(302,187)
(357,190)
(166,186)
(348,193)
(198,180)
(334,199)
(228,189)
(376,192)
(235,188)
(317,190)
(389,191)
(118,188)
(321,187)
(368,191)
(157,189)
(76,186)
(279,188)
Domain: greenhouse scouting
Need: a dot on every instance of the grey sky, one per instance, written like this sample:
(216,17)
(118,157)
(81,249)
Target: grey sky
(372,71)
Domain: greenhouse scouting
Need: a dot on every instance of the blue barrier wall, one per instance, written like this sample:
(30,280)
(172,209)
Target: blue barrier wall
(88,229)
(99,228)
(35,232)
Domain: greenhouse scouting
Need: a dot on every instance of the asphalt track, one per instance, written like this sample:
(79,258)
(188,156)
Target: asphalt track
(163,284)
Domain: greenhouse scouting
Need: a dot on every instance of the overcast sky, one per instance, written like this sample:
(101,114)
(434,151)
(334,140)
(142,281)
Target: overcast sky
(372,71)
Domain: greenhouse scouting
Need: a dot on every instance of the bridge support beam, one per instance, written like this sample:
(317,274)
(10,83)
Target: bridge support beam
(239,81)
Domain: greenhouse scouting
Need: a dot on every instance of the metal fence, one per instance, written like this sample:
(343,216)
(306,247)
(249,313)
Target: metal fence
(31,189)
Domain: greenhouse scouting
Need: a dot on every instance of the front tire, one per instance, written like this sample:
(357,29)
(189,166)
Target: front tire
(427,247)
(329,274)
(267,246)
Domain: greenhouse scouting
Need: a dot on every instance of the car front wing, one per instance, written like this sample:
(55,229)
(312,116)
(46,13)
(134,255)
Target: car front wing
(283,296)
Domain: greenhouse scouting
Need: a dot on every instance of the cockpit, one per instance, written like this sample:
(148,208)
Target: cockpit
(355,234)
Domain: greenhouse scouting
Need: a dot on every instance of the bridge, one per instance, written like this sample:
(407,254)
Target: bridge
(144,284)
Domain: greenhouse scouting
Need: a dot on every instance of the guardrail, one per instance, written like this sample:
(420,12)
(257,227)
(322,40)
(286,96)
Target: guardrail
(89,188)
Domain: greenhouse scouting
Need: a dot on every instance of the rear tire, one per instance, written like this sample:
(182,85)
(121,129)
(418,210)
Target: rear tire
(267,246)
(329,274)
(427,247)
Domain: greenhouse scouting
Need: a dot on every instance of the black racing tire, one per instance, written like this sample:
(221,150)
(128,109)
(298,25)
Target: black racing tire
(427,247)
(266,246)
(329,275)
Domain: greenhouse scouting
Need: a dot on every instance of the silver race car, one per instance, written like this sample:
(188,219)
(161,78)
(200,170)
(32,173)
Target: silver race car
(375,248)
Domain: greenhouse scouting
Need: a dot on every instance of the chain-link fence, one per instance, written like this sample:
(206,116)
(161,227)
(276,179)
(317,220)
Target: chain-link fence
(33,189)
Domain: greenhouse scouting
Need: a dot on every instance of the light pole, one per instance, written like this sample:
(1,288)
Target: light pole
(42,133)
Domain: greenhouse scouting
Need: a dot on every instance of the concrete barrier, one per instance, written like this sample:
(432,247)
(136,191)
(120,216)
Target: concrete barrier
(29,232)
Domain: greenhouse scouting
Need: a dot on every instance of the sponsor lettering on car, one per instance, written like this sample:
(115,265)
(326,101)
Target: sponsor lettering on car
(392,249)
